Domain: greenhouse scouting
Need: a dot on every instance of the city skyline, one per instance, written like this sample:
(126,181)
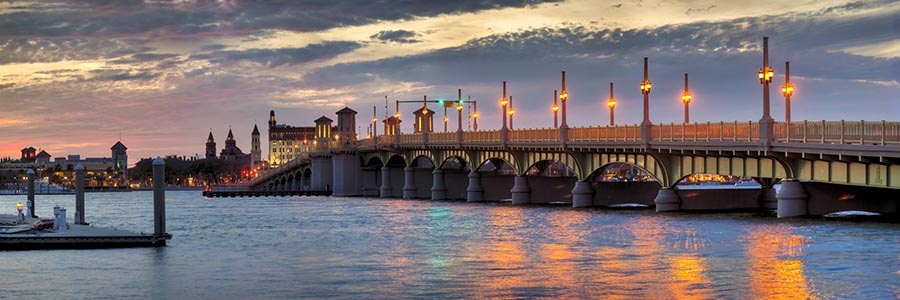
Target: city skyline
(74,76)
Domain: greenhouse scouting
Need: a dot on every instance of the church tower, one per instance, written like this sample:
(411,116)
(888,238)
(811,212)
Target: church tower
(255,152)
(210,146)
(229,141)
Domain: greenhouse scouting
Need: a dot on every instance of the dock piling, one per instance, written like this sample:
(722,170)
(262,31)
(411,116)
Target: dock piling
(31,193)
(79,194)
(159,196)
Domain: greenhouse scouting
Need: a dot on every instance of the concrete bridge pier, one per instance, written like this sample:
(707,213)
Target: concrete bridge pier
(322,175)
(667,200)
(294,184)
(409,183)
(474,192)
(385,190)
(304,182)
(767,199)
(521,192)
(345,165)
(370,182)
(582,194)
(438,189)
(792,199)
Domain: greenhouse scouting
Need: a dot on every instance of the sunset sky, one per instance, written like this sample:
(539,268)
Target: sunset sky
(75,75)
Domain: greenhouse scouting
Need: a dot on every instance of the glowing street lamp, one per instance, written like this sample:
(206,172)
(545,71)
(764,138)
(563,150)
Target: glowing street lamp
(555,111)
(503,103)
(645,89)
(787,89)
(686,98)
(475,116)
(765,75)
(563,96)
(459,108)
(612,106)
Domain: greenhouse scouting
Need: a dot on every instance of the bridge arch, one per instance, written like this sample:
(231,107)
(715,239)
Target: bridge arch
(565,158)
(622,171)
(454,163)
(651,163)
(396,161)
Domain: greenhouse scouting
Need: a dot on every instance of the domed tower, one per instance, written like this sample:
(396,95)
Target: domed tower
(210,146)
(255,152)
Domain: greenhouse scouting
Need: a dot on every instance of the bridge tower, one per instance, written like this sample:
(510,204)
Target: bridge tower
(320,157)
(344,160)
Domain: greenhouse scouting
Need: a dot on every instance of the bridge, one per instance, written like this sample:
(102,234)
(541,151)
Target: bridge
(822,166)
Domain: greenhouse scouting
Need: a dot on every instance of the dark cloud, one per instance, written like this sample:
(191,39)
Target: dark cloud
(105,75)
(7,85)
(101,18)
(396,36)
(278,57)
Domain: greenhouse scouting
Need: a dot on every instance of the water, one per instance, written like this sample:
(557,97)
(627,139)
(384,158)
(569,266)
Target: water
(288,248)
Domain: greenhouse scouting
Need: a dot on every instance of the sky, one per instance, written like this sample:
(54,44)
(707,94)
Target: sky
(75,76)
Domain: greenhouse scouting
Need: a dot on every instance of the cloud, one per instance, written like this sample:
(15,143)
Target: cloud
(283,56)
(396,36)
(190,18)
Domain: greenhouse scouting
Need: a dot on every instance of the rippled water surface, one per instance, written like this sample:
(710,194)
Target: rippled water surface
(287,248)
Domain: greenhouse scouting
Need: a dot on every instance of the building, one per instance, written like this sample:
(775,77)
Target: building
(287,142)
(255,151)
(232,154)
(28,154)
(210,146)
(101,172)
(120,158)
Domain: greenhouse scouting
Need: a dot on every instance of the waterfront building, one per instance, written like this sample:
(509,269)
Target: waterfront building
(101,172)
(287,142)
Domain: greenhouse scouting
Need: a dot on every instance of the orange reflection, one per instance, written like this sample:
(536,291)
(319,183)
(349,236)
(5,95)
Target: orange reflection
(773,277)
(689,280)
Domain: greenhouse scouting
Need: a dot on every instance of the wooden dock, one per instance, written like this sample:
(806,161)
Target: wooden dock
(77,237)
(243,193)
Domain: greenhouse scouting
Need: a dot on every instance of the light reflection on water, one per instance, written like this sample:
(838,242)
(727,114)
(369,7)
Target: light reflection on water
(287,248)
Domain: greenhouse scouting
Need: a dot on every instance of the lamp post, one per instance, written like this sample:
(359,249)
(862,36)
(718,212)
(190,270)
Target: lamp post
(686,98)
(787,89)
(765,75)
(555,111)
(374,126)
(474,116)
(563,96)
(612,106)
(503,103)
(459,108)
(645,89)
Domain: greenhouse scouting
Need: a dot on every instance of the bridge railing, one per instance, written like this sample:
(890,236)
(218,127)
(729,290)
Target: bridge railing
(367,142)
(534,135)
(442,137)
(839,132)
(411,138)
(625,133)
(718,132)
(482,136)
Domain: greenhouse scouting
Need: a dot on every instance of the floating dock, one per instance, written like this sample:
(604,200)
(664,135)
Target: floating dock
(25,237)
(214,194)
